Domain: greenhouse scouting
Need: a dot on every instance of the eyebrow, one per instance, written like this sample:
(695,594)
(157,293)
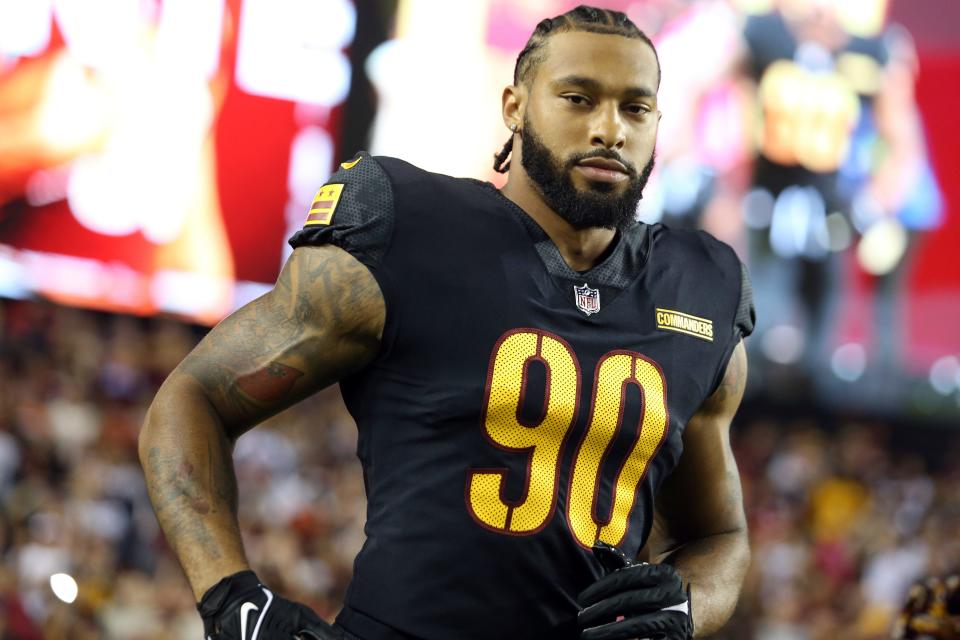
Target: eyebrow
(592,85)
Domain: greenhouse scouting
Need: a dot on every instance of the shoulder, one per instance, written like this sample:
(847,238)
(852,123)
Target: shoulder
(709,266)
(763,26)
(367,171)
(696,249)
(874,47)
(400,171)
(410,181)
(354,209)
(767,38)
(358,207)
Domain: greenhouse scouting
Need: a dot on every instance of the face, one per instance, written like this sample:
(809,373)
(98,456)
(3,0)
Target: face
(589,127)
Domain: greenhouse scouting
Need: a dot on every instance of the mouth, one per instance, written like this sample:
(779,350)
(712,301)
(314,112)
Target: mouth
(602,170)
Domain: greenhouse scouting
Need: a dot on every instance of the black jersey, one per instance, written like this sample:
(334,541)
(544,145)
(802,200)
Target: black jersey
(517,410)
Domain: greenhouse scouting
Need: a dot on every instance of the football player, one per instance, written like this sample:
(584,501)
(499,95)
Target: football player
(543,387)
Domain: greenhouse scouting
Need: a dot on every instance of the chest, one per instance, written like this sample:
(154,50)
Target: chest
(484,326)
(545,386)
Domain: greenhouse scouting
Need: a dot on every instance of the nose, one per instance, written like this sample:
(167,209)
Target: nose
(607,128)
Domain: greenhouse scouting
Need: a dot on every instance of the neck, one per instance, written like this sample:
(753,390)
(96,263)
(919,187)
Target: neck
(580,248)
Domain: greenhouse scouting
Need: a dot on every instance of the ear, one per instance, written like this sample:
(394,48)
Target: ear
(513,103)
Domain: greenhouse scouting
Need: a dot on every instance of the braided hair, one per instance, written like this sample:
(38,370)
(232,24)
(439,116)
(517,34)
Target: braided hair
(583,18)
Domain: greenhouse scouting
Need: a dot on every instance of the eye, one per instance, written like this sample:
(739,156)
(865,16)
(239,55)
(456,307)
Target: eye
(576,99)
(638,108)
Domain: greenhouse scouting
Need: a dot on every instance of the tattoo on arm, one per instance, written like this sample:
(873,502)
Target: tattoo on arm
(270,383)
(323,320)
(184,496)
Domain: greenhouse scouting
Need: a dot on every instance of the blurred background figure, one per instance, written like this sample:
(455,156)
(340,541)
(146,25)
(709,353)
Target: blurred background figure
(840,165)
(932,611)
(154,156)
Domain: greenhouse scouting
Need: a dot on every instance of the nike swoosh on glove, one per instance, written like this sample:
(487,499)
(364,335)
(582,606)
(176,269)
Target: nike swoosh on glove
(240,608)
(634,600)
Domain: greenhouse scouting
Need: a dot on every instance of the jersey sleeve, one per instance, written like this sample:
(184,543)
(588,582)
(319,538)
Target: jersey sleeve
(746,313)
(353,210)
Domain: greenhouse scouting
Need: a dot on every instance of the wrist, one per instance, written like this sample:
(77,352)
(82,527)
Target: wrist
(225,590)
(202,580)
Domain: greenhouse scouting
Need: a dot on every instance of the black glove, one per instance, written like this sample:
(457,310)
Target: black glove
(240,608)
(634,600)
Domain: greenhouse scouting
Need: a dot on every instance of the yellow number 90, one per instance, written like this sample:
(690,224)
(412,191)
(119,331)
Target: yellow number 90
(544,441)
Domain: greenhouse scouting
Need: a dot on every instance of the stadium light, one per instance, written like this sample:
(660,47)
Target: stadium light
(783,344)
(945,375)
(849,362)
(64,587)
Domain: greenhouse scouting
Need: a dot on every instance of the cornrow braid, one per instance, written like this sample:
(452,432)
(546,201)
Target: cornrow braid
(501,164)
(582,18)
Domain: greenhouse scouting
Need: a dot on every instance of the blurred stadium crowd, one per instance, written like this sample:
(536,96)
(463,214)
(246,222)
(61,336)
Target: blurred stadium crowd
(842,521)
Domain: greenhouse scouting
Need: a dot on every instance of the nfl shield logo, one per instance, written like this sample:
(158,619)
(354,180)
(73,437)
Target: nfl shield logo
(588,300)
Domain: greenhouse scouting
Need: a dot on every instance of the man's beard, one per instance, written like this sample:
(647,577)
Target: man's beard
(598,206)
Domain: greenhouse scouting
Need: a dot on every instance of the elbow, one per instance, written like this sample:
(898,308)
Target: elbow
(171,416)
(740,552)
(746,553)
(154,425)
(150,430)
(736,554)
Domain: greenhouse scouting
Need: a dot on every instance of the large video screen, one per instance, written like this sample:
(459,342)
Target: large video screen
(155,155)
(815,137)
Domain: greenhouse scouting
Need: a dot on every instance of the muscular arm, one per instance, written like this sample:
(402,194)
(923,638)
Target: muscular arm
(322,321)
(700,527)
